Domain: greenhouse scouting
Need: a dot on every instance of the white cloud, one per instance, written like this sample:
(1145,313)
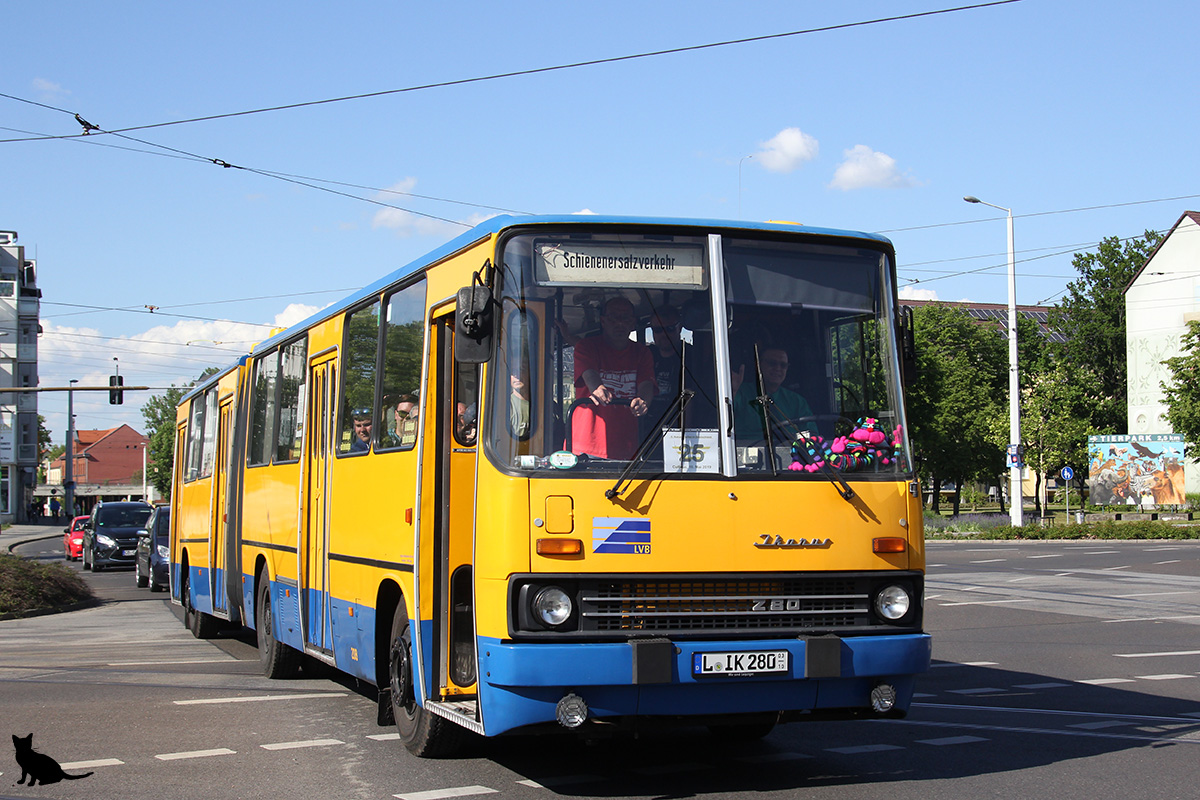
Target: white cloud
(863,168)
(913,293)
(406,223)
(787,151)
(49,88)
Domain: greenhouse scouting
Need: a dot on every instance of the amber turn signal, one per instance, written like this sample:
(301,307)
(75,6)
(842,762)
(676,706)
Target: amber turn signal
(889,544)
(559,547)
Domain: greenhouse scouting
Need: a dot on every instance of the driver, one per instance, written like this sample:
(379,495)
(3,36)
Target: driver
(747,414)
(608,367)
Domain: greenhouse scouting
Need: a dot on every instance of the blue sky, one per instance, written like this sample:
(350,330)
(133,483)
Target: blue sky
(1044,106)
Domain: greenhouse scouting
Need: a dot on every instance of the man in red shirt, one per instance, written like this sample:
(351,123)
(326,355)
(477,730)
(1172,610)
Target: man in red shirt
(611,367)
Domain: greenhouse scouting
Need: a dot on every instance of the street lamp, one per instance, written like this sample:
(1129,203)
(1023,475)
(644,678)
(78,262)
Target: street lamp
(743,158)
(69,477)
(1014,386)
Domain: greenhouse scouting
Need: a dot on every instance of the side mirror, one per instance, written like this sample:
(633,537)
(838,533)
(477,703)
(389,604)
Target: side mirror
(473,325)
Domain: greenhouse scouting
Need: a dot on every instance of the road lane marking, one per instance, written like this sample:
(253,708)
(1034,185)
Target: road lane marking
(1152,594)
(863,748)
(1105,681)
(981,690)
(297,745)
(1045,731)
(1114,569)
(169,663)
(1154,619)
(1160,563)
(1100,725)
(1154,655)
(988,602)
(258,698)
(99,762)
(560,780)
(1051,555)
(988,560)
(1170,676)
(963,664)
(948,740)
(1054,685)
(440,794)
(220,751)
(384,737)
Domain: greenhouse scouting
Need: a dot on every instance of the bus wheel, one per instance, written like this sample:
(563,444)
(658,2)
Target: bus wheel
(423,733)
(277,659)
(202,626)
(746,728)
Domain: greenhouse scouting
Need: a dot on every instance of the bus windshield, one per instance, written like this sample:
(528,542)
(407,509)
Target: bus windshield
(695,355)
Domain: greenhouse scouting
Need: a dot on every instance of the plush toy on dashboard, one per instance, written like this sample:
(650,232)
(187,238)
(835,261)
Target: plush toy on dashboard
(864,447)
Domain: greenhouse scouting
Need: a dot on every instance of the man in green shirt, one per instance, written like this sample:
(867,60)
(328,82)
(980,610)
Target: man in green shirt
(786,404)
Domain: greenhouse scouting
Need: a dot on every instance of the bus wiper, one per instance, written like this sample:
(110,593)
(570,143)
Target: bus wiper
(677,406)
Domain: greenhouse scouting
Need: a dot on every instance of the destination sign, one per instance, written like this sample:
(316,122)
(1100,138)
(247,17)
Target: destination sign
(647,264)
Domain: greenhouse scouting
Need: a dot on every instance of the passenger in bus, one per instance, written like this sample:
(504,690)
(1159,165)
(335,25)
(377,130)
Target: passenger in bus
(611,367)
(403,431)
(465,419)
(786,404)
(518,403)
(361,440)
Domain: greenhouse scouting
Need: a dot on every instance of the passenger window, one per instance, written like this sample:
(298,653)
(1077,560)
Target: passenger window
(358,380)
(466,403)
(262,408)
(403,343)
(293,371)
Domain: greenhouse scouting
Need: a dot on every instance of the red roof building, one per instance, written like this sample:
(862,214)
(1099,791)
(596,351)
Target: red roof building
(103,458)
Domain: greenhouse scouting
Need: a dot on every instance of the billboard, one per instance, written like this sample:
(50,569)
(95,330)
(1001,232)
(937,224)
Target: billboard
(1136,470)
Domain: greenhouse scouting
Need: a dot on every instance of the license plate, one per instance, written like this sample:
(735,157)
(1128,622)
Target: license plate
(129,552)
(754,662)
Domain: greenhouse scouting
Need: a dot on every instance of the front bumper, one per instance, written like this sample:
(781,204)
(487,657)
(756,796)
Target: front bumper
(524,681)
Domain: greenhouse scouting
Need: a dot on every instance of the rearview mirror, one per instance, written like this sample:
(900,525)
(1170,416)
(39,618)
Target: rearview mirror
(473,325)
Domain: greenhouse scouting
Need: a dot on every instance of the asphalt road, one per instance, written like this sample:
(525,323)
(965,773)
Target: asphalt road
(1065,670)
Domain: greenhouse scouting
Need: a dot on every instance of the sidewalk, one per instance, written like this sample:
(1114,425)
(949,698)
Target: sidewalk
(14,535)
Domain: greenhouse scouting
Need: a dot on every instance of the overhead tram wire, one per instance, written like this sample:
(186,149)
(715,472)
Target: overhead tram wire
(539,70)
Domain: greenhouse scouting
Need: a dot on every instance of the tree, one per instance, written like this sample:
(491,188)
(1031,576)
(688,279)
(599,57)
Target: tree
(159,413)
(1091,320)
(1182,394)
(1054,427)
(955,397)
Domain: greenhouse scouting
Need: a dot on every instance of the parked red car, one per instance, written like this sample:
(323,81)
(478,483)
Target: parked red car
(73,539)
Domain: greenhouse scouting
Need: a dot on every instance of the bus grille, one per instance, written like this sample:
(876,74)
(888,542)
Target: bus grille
(724,605)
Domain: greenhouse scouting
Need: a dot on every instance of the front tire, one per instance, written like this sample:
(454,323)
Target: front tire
(277,659)
(423,733)
(138,578)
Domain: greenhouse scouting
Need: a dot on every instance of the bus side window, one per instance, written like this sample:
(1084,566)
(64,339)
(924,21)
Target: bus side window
(358,380)
(401,380)
(466,403)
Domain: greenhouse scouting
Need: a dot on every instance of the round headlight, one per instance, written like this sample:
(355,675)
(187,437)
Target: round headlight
(892,602)
(552,606)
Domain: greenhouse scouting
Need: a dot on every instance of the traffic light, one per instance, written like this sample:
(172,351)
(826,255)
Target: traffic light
(116,396)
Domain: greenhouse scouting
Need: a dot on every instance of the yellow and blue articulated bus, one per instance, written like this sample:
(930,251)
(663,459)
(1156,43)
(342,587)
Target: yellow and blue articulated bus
(575,472)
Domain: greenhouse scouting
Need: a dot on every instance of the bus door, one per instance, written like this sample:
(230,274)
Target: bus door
(451,533)
(314,536)
(220,518)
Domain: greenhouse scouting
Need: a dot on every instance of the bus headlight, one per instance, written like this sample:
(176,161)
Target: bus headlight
(892,602)
(552,606)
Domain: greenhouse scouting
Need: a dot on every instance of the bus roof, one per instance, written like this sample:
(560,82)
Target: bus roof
(497,224)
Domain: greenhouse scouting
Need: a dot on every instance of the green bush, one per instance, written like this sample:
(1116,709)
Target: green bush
(1103,529)
(30,586)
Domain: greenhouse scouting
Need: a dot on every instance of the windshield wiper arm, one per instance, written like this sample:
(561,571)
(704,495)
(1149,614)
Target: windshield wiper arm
(677,406)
